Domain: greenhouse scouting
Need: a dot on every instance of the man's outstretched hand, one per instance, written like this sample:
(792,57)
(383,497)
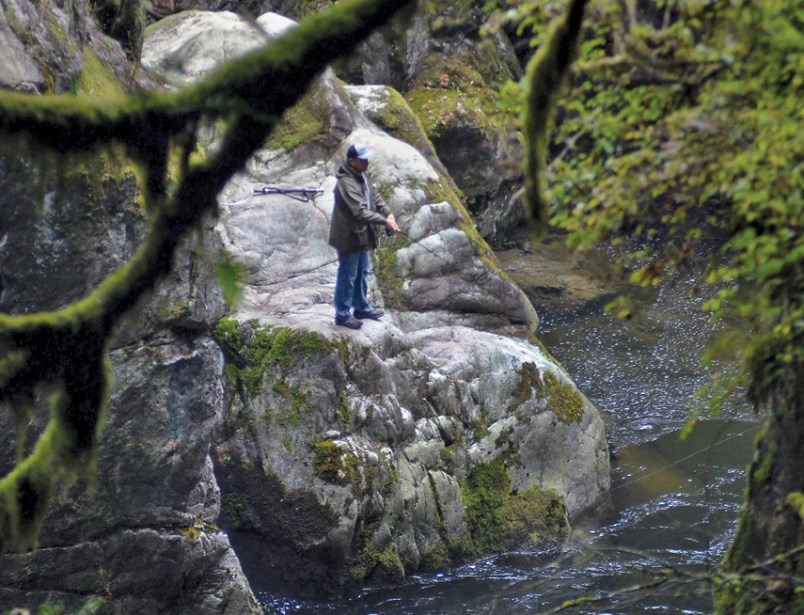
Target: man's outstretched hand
(391,225)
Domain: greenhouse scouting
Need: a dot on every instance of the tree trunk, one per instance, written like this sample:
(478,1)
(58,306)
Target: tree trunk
(764,567)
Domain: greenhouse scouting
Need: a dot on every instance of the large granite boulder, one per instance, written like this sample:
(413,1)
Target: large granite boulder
(348,457)
(329,458)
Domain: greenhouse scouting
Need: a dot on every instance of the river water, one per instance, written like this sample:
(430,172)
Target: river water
(673,502)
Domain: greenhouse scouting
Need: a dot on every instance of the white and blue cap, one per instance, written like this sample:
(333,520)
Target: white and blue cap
(358,150)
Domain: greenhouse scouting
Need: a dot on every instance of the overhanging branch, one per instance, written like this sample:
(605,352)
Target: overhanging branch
(67,346)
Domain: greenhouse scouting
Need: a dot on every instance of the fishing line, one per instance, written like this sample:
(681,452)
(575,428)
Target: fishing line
(690,456)
(420,244)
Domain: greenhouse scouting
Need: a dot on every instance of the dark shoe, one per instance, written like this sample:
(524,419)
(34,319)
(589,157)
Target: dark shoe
(373,314)
(348,321)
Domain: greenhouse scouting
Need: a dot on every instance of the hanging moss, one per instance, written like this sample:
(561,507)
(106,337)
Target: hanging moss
(545,73)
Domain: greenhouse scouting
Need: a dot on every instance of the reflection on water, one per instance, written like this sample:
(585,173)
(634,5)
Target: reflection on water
(674,503)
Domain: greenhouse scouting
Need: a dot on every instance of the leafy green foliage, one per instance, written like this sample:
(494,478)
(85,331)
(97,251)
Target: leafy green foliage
(680,141)
(230,276)
(680,131)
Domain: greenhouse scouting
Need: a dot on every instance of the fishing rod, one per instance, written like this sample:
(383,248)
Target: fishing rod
(304,195)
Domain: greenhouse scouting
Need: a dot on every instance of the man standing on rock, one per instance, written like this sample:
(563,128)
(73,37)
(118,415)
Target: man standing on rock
(358,206)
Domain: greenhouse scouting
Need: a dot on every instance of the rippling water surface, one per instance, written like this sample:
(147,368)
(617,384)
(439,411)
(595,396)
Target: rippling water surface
(674,503)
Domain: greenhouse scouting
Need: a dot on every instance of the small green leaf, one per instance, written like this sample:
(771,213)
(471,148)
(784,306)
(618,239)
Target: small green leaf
(230,276)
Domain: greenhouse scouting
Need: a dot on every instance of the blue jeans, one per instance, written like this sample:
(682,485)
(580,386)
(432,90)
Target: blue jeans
(351,285)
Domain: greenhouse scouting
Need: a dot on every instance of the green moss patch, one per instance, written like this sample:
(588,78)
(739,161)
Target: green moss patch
(795,500)
(562,399)
(302,123)
(501,519)
(253,349)
(334,465)
(454,90)
(389,280)
(398,119)
(96,78)
(380,566)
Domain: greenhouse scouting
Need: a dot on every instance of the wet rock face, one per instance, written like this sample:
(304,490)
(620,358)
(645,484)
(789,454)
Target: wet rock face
(146,528)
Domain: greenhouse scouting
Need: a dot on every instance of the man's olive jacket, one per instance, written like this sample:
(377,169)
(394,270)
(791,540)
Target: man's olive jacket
(357,207)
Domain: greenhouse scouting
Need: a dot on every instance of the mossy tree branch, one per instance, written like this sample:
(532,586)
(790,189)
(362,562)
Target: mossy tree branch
(545,73)
(67,347)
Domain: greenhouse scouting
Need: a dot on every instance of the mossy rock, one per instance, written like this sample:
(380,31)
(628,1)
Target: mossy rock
(445,190)
(563,399)
(389,280)
(378,566)
(436,558)
(302,124)
(451,90)
(502,519)
(252,349)
(398,119)
(335,465)
(96,79)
